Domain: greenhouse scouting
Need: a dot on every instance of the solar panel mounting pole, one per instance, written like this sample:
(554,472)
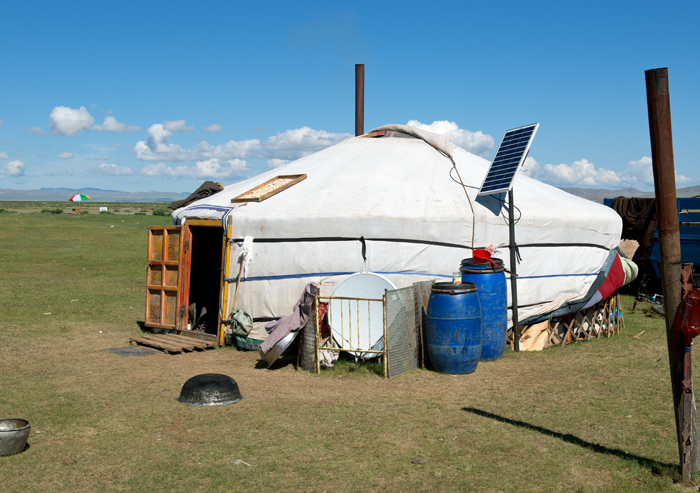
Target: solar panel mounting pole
(513,271)
(510,156)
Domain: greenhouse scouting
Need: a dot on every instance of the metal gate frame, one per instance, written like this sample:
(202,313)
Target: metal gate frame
(385,347)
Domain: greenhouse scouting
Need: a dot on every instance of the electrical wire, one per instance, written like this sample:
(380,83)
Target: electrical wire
(454,167)
(503,202)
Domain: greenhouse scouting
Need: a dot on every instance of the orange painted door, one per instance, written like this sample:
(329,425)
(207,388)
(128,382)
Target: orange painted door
(164,278)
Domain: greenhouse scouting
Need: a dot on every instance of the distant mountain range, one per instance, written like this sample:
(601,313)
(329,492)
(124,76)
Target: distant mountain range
(99,195)
(598,194)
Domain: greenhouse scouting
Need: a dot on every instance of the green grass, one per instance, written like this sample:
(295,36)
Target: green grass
(592,416)
(85,207)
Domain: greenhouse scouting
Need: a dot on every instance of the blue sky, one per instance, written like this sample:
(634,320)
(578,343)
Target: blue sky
(150,95)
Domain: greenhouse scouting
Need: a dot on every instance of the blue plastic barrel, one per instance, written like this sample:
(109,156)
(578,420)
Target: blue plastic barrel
(453,330)
(493,298)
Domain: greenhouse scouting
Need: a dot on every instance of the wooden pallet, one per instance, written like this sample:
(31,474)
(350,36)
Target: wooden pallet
(172,343)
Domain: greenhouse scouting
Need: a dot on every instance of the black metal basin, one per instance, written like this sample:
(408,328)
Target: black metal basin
(210,389)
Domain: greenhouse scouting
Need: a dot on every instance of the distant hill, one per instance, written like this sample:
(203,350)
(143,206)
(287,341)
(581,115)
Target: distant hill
(97,195)
(598,194)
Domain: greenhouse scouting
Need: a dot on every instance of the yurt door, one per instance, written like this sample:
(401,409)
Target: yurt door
(184,277)
(163,277)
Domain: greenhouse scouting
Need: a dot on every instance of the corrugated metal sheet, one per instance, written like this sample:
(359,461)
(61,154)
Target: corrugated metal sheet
(402,333)
(422,292)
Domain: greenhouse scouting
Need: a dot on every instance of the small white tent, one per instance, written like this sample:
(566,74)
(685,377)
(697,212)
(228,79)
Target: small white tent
(391,203)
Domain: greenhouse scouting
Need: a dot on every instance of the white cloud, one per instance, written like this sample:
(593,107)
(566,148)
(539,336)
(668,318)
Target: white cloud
(111,170)
(67,121)
(157,148)
(214,127)
(638,172)
(65,155)
(3,155)
(641,173)
(13,168)
(293,144)
(276,163)
(35,131)
(475,142)
(211,168)
(584,173)
(580,173)
(683,180)
(177,126)
(111,124)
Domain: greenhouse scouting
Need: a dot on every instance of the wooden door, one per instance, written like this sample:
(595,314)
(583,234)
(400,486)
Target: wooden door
(164,277)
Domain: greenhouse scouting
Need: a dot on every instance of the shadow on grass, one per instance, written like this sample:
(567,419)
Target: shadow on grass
(655,467)
(281,362)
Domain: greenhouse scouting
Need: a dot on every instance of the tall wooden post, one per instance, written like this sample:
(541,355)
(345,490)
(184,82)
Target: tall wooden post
(359,98)
(659,107)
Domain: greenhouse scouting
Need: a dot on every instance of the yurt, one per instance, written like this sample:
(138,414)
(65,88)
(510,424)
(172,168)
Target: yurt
(398,202)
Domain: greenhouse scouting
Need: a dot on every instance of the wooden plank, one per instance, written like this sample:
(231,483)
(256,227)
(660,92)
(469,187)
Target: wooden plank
(606,317)
(185,341)
(164,343)
(162,339)
(172,343)
(173,340)
(145,342)
(158,338)
(554,334)
(568,331)
(200,336)
(249,196)
(621,318)
(591,324)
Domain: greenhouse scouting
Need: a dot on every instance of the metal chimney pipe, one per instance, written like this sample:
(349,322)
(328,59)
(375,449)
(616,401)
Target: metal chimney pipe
(359,98)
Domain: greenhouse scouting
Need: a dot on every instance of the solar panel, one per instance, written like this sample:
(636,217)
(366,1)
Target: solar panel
(510,156)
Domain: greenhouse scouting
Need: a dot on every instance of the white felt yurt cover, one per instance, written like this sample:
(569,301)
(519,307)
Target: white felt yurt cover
(393,205)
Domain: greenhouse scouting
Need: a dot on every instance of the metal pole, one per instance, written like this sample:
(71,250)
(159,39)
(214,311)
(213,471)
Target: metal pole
(659,107)
(359,98)
(317,336)
(513,271)
(385,349)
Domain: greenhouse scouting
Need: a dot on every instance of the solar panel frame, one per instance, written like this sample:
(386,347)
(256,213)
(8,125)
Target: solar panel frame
(510,156)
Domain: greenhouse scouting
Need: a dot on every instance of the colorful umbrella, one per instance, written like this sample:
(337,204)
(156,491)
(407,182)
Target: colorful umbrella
(78,197)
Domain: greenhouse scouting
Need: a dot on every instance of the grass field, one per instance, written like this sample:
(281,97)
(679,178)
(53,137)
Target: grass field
(87,207)
(594,416)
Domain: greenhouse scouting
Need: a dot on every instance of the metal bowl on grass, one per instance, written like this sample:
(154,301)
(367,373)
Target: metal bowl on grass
(279,348)
(13,435)
(210,389)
